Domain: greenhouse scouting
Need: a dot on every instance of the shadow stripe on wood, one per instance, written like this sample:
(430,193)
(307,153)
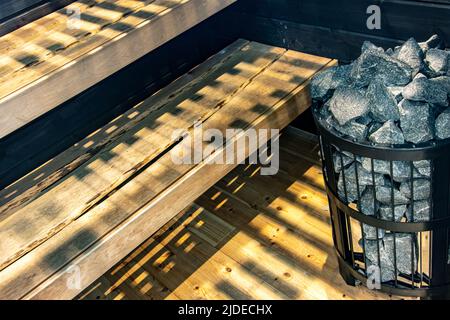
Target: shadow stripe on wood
(44,94)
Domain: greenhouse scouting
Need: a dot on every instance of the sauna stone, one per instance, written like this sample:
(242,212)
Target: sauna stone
(388,133)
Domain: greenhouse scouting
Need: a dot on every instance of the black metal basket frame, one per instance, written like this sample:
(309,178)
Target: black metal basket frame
(438,152)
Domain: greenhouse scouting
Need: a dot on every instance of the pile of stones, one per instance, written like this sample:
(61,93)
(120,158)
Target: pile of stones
(387,98)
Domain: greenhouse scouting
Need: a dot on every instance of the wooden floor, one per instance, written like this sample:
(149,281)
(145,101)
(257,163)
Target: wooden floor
(248,237)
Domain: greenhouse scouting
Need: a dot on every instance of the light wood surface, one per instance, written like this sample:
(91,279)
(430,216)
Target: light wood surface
(247,237)
(51,60)
(92,208)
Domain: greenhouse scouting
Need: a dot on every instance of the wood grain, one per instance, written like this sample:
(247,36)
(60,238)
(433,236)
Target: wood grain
(222,246)
(41,88)
(263,87)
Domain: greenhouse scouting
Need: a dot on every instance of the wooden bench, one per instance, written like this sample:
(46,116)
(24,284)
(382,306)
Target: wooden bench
(89,207)
(52,59)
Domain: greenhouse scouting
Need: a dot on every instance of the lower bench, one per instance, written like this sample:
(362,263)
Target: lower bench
(65,224)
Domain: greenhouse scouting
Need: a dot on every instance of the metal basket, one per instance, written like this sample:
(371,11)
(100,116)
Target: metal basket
(402,255)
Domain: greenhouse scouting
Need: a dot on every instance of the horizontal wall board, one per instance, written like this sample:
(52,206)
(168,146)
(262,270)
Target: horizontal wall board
(337,44)
(399,19)
(11,7)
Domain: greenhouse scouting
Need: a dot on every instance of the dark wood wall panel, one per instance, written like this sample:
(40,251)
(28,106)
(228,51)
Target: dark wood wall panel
(336,28)
(11,7)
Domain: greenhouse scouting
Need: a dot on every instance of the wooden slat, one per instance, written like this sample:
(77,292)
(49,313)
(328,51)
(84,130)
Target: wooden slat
(278,86)
(219,277)
(50,35)
(50,83)
(21,192)
(136,147)
(15,22)
(24,190)
(265,250)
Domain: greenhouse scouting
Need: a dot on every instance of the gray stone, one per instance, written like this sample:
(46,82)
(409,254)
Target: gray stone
(442,125)
(438,61)
(364,177)
(354,130)
(369,45)
(365,120)
(416,121)
(397,93)
(367,204)
(376,255)
(383,104)
(422,189)
(370,232)
(375,64)
(350,192)
(374,126)
(401,170)
(423,167)
(411,54)
(433,42)
(422,211)
(386,212)
(383,194)
(388,133)
(341,160)
(385,274)
(393,255)
(323,83)
(443,81)
(420,76)
(426,90)
(351,187)
(348,103)
(389,51)
(405,251)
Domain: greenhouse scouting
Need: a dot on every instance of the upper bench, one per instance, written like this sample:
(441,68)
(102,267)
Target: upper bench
(51,60)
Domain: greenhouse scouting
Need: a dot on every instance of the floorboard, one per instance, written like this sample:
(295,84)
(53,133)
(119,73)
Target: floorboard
(248,237)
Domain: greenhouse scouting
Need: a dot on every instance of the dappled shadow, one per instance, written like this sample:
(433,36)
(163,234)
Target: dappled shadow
(53,41)
(102,181)
(235,245)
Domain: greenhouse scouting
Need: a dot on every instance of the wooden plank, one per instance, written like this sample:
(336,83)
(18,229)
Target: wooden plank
(310,275)
(136,145)
(15,22)
(287,259)
(129,280)
(55,21)
(216,276)
(30,186)
(151,218)
(174,198)
(44,93)
(52,34)
(40,141)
